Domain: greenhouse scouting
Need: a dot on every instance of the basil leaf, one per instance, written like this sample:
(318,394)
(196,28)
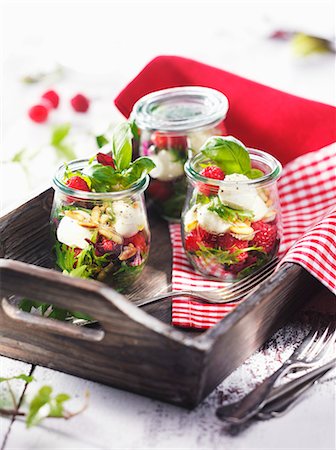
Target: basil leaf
(138,169)
(255,173)
(227,153)
(135,130)
(122,145)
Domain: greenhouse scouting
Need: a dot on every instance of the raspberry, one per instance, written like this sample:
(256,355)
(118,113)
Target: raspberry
(80,103)
(213,172)
(52,97)
(38,113)
(104,245)
(138,240)
(265,235)
(230,243)
(206,237)
(105,160)
(78,183)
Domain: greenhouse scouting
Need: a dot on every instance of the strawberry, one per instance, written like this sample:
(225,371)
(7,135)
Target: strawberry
(160,190)
(138,240)
(230,243)
(52,97)
(105,160)
(197,237)
(214,173)
(77,183)
(265,236)
(38,113)
(80,103)
(191,241)
(166,141)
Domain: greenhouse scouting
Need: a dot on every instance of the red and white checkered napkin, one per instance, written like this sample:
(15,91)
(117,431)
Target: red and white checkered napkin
(307,192)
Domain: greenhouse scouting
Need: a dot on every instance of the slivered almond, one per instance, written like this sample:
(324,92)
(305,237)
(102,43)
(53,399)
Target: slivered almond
(109,233)
(243,237)
(127,252)
(241,228)
(76,215)
(105,219)
(270,215)
(87,224)
(95,214)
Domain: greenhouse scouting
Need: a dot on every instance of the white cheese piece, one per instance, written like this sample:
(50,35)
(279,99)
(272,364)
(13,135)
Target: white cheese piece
(211,221)
(70,233)
(129,218)
(242,196)
(166,167)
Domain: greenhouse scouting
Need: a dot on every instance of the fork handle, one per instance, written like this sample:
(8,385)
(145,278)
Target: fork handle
(171,294)
(241,411)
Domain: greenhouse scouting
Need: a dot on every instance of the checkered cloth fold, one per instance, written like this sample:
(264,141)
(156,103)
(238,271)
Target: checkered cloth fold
(307,191)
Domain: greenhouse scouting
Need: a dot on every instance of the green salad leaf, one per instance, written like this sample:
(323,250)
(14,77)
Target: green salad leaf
(101,141)
(230,155)
(229,214)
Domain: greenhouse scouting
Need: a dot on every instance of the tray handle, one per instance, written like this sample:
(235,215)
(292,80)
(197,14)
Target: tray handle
(48,286)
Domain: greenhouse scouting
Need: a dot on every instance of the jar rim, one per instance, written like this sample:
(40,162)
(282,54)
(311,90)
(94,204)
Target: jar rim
(255,155)
(166,110)
(77,164)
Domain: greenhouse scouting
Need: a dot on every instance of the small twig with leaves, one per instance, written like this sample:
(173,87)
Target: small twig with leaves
(43,405)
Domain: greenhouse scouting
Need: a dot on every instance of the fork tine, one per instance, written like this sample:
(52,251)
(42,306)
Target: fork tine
(246,281)
(323,344)
(239,293)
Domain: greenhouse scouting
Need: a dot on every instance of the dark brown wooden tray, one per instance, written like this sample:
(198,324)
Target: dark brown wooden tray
(136,348)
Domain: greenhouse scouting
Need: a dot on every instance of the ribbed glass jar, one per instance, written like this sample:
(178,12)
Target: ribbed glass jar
(173,124)
(232,227)
(104,236)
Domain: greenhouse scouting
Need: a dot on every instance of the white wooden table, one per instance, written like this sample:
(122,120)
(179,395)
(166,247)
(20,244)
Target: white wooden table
(228,36)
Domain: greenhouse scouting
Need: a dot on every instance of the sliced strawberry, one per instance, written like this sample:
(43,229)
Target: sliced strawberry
(198,237)
(230,243)
(138,240)
(191,241)
(160,190)
(104,245)
(265,236)
(105,160)
(206,237)
(166,141)
(78,183)
(214,173)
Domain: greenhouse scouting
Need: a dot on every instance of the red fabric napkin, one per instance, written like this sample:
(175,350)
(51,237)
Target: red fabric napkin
(262,117)
(283,125)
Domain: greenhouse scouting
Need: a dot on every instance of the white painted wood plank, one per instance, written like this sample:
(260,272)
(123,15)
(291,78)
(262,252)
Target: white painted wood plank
(120,420)
(10,368)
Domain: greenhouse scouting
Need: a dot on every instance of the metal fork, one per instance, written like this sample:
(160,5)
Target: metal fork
(312,349)
(229,293)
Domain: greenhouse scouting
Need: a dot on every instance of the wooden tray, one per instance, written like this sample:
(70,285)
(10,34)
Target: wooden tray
(135,348)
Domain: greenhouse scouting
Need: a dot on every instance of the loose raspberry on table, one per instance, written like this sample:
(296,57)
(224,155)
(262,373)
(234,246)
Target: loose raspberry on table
(52,97)
(265,235)
(80,103)
(231,244)
(38,113)
(77,183)
(213,172)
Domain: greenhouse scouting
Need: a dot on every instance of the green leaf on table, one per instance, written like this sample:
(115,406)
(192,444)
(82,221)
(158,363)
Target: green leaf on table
(59,133)
(227,153)
(101,141)
(45,405)
(22,376)
(122,145)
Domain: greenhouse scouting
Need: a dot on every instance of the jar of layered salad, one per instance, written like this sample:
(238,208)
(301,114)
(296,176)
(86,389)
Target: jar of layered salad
(173,124)
(231,223)
(99,217)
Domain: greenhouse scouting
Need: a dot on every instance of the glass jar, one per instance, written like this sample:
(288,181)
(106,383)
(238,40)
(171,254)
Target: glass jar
(173,125)
(232,227)
(104,236)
